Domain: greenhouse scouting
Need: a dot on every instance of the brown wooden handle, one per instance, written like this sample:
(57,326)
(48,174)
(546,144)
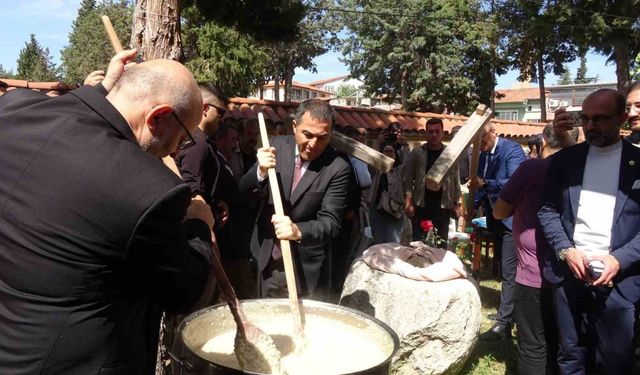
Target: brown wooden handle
(285,246)
(111,33)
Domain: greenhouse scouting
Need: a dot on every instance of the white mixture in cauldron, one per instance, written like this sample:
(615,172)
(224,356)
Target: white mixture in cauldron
(331,346)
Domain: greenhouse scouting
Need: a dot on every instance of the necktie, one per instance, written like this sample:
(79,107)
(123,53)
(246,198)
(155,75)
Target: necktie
(297,173)
(487,161)
(276,253)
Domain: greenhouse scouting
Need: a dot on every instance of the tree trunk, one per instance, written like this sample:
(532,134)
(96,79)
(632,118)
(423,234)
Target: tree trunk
(543,101)
(288,83)
(622,58)
(403,89)
(156,29)
(276,86)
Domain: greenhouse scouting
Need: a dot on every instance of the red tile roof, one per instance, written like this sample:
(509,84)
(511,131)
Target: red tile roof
(371,118)
(517,95)
(300,85)
(376,119)
(326,80)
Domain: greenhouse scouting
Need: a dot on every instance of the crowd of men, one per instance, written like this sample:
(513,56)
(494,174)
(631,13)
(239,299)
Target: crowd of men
(98,237)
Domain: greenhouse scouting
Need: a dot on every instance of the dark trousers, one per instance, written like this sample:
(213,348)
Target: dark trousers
(440,218)
(593,320)
(509,262)
(537,336)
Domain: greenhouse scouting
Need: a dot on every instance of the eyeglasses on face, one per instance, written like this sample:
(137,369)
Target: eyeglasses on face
(221,111)
(190,139)
(595,120)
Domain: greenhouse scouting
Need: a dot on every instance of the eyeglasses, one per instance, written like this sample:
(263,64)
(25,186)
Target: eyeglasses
(184,142)
(221,111)
(595,120)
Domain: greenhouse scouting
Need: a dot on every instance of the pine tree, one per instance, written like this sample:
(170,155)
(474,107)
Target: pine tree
(34,62)
(88,48)
(4,73)
(581,73)
(565,78)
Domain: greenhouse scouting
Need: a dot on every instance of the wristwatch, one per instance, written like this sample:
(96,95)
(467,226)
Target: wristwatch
(562,254)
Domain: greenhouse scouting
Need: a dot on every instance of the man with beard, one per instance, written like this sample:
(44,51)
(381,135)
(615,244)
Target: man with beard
(591,218)
(633,109)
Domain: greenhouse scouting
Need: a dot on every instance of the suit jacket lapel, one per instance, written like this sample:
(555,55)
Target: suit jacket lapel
(313,170)
(574,177)
(628,173)
(285,166)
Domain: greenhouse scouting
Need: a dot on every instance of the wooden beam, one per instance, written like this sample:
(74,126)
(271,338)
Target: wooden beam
(361,151)
(449,157)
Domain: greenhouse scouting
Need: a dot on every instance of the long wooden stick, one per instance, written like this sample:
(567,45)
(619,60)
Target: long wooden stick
(473,171)
(111,33)
(285,246)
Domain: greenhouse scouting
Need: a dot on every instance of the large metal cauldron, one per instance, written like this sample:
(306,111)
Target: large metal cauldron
(199,327)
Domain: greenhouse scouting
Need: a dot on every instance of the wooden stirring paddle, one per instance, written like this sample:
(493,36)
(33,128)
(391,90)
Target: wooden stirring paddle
(254,349)
(285,246)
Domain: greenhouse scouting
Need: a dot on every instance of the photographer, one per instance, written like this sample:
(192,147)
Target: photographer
(393,135)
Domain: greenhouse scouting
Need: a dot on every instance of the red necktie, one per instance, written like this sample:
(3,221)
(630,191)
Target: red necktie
(297,173)
(276,253)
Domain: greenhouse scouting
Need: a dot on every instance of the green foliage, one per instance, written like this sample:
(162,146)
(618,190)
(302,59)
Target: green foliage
(219,54)
(429,53)
(581,73)
(565,77)
(264,20)
(537,43)
(89,48)
(317,34)
(34,62)
(611,28)
(346,91)
(4,73)
(635,74)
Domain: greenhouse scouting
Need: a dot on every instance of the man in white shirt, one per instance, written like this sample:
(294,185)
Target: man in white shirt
(591,219)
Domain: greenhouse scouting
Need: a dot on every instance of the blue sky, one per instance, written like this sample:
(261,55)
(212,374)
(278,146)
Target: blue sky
(50,21)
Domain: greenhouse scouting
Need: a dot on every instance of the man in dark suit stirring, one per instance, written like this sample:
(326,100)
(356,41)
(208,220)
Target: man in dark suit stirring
(314,182)
(97,236)
(591,219)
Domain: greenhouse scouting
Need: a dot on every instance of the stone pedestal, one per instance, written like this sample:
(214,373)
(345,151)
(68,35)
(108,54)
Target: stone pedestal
(437,322)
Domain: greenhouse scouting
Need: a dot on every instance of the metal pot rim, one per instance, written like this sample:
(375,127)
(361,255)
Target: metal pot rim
(306,302)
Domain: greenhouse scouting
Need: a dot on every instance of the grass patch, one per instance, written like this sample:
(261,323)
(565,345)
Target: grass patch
(491,357)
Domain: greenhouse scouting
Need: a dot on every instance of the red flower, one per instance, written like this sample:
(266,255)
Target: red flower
(426,225)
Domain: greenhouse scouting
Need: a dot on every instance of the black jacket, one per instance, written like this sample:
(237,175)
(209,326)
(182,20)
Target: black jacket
(92,244)
(316,206)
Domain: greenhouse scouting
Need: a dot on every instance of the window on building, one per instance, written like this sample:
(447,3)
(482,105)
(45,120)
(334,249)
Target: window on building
(529,108)
(508,115)
(314,94)
(329,88)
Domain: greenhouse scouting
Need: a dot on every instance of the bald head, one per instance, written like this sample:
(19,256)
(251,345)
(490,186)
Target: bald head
(603,112)
(150,96)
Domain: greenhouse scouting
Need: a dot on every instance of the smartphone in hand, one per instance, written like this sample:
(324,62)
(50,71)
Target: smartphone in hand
(575,117)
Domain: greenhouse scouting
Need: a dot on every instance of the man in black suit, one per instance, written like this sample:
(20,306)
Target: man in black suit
(97,236)
(591,218)
(314,182)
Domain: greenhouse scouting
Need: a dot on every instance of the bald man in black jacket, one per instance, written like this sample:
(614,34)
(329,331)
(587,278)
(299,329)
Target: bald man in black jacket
(97,236)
